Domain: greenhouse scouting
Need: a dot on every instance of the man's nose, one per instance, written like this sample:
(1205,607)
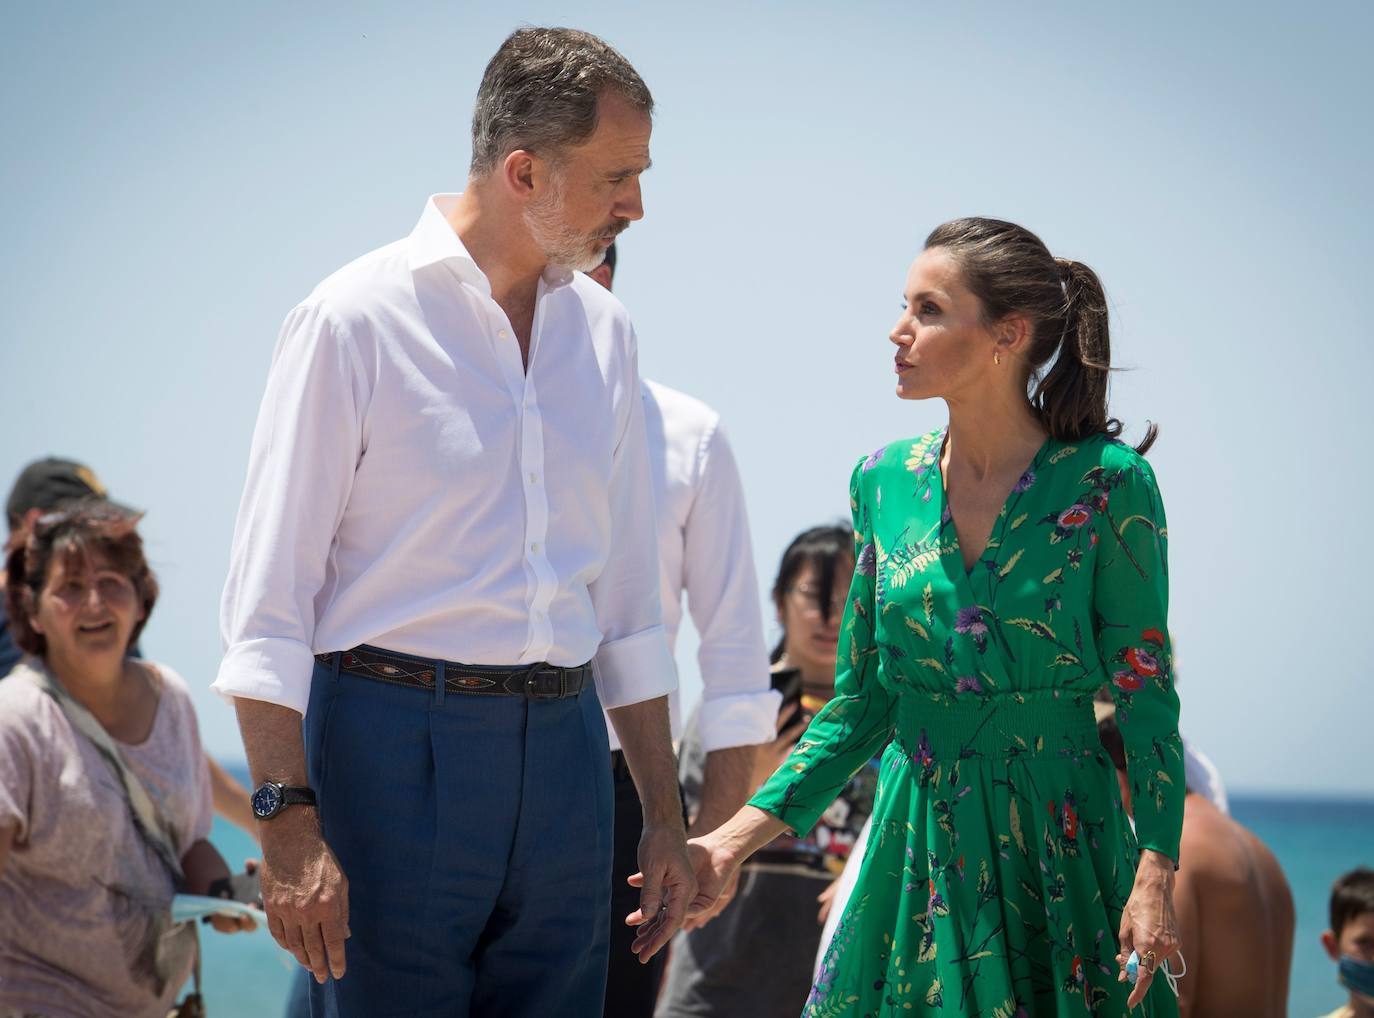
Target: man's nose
(631,204)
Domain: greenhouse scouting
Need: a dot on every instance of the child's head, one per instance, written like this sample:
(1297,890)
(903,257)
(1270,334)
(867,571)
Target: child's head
(1350,940)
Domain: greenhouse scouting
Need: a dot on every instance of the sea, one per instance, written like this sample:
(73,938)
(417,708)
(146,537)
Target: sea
(1315,839)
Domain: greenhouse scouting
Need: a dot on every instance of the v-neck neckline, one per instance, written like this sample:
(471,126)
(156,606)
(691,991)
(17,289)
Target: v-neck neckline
(947,513)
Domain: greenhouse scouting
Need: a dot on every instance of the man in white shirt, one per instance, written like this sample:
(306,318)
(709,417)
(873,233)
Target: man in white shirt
(445,560)
(703,550)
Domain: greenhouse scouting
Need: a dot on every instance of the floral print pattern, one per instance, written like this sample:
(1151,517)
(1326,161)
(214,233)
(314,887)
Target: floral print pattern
(1001,857)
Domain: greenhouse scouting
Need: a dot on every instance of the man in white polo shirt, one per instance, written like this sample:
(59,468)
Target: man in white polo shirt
(704,551)
(445,560)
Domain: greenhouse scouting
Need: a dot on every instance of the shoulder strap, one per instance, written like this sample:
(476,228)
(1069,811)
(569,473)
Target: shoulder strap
(150,821)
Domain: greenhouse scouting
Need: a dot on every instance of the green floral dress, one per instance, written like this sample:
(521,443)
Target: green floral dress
(1000,857)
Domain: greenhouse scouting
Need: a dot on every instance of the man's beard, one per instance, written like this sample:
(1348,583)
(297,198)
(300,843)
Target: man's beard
(560,243)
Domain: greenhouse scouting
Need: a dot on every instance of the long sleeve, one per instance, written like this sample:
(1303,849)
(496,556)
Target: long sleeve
(306,447)
(1131,605)
(738,705)
(852,727)
(633,663)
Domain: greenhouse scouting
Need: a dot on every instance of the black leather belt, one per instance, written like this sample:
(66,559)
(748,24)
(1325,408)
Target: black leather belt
(541,681)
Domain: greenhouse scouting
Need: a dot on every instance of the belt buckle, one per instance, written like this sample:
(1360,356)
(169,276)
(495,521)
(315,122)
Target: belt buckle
(531,693)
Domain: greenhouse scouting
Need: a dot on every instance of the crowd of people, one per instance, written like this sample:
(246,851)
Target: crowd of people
(956,785)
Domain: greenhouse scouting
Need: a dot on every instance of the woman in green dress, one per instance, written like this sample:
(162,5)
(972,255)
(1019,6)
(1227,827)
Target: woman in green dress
(1008,566)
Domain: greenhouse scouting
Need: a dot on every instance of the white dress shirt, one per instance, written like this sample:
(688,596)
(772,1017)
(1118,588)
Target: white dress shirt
(412,487)
(704,549)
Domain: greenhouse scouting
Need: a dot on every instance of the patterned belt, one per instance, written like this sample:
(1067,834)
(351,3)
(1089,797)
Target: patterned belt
(541,681)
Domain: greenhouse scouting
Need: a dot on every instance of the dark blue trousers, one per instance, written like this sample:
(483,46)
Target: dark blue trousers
(475,833)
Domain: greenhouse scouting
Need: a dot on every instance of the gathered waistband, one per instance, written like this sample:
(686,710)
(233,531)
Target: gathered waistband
(1003,726)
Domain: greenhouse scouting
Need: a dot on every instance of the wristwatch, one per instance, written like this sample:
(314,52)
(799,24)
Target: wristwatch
(272,797)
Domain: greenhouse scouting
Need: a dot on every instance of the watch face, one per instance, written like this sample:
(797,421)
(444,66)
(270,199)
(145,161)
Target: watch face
(266,800)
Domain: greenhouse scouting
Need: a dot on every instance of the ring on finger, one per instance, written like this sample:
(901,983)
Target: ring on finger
(1149,961)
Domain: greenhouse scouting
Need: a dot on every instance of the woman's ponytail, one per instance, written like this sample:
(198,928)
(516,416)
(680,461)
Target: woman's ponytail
(1010,271)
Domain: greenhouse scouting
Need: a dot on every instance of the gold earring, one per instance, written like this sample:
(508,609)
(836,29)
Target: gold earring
(997,356)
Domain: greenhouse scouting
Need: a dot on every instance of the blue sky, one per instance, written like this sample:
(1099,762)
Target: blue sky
(175,177)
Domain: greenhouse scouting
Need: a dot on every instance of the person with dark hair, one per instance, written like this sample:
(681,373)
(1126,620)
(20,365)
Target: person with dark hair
(1350,940)
(705,552)
(51,483)
(445,562)
(85,888)
(42,485)
(1007,566)
(755,958)
(1235,908)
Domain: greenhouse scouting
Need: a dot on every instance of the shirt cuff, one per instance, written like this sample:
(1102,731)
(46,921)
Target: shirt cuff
(274,670)
(741,719)
(634,669)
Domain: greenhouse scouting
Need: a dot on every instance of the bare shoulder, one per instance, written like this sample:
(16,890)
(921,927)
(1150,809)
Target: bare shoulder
(1209,842)
(1218,848)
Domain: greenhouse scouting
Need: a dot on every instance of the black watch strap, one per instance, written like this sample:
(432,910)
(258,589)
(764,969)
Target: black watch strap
(297,795)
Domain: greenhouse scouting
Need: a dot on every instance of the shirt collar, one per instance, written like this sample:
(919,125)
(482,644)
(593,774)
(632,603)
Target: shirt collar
(434,240)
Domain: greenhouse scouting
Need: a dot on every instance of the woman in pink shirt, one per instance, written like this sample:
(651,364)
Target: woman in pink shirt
(85,924)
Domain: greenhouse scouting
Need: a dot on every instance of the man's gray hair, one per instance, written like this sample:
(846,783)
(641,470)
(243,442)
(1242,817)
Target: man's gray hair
(540,91)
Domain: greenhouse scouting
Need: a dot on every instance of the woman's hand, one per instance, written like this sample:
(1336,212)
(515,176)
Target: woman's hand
(1148,923)
(233,923)
(202,866)
(723,899)
(717,873)
(715,859)
(717,869)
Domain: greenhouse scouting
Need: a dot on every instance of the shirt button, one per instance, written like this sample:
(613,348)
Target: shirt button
(534,478)
(535,547)
(503,334)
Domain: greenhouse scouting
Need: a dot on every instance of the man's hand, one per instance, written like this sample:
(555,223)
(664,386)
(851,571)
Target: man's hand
(304,892)
(667,888)
(716,859)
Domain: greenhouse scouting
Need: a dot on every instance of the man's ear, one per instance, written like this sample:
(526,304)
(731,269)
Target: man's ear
(1333,949)
(518,173)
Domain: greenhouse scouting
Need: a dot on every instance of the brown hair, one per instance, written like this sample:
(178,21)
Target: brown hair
(1011,271)
(540,92)
(1352,895)
(72,533)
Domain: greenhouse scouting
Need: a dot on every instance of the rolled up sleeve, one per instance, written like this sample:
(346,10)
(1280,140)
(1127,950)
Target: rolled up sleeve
(739,706)
(633,663)
(305,450)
